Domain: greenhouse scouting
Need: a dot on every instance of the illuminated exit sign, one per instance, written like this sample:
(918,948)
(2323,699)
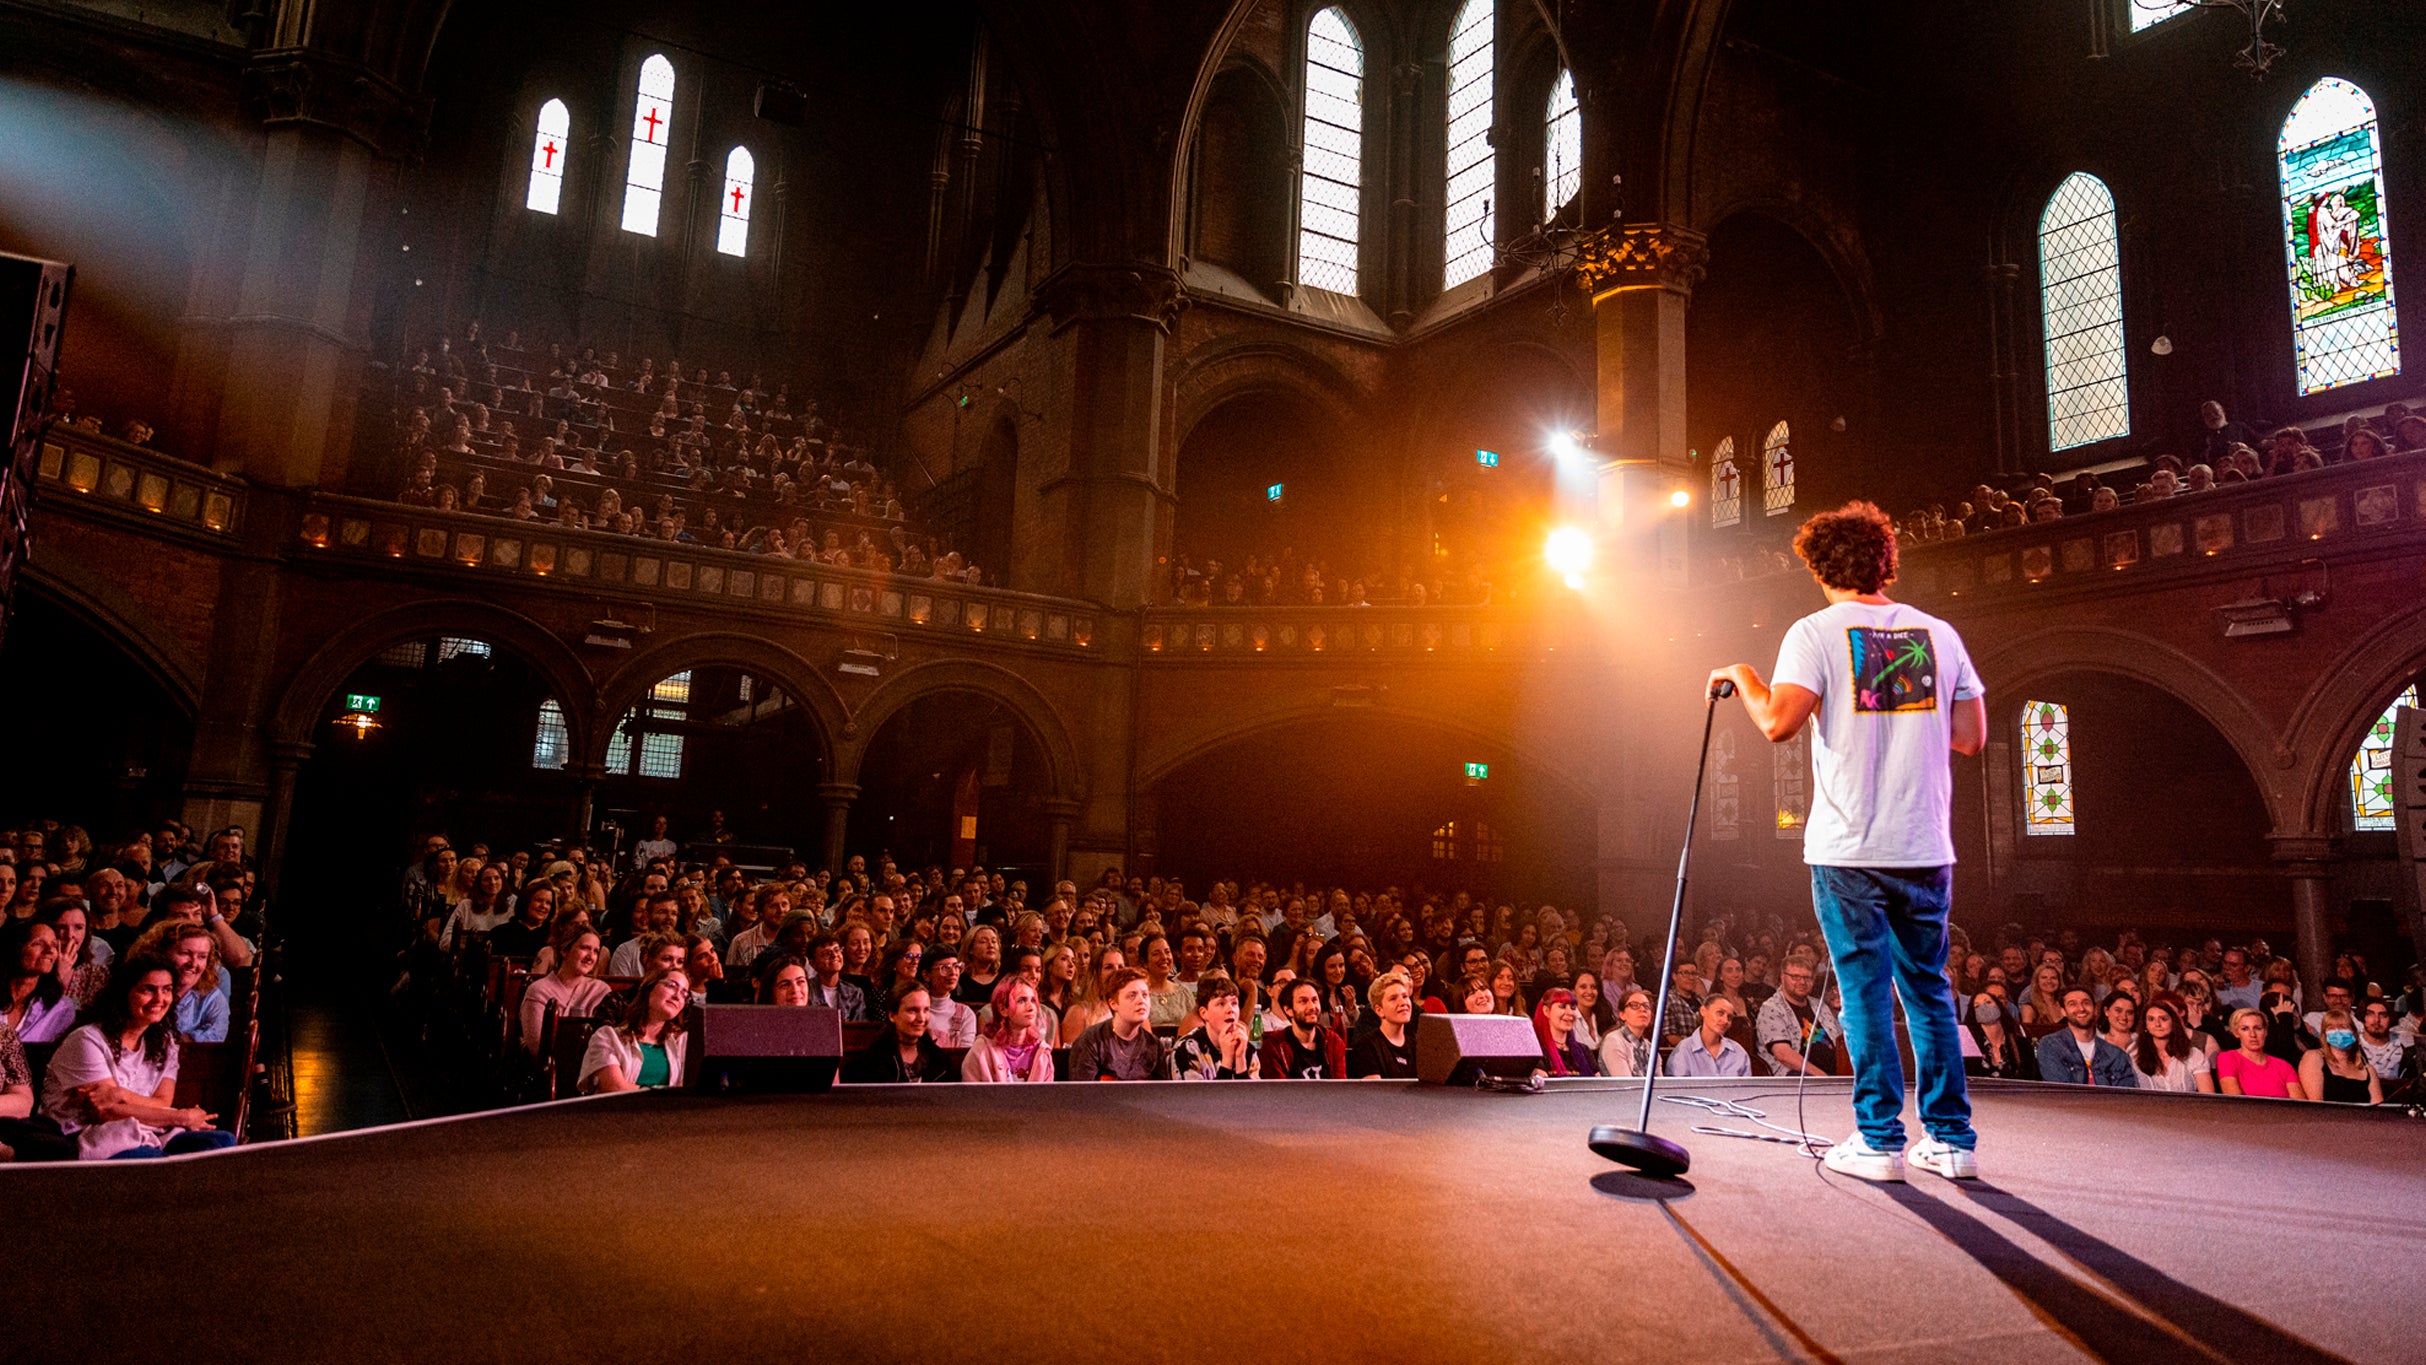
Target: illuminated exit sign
(1477,772)
(1272,494)
(364,701)
(1488,459)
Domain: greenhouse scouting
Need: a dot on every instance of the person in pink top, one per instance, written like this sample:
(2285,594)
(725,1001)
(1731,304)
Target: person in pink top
(1009,1048)
(2250,1069)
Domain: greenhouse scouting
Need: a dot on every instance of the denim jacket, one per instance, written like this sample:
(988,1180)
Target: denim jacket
(2060,1060)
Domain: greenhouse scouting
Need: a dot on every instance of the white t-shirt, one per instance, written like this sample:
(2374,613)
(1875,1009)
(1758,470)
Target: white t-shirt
(1886,678)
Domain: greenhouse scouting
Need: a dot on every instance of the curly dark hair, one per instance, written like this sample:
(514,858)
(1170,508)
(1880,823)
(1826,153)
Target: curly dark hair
(1851,549)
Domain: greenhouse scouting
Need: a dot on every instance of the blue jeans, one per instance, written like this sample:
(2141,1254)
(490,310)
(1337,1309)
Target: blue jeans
(191,1140)
(1886,929)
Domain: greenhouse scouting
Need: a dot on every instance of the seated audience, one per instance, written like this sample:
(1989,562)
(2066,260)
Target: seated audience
(1708,1051)
(903,1054)
(2166,1056)
(644,1049)
(1797,1032)
(2337,1072)
(1629,1049)
(571,988)
(1387,1050)
(1554,1028)
(1012,1046)
(2077,1054)
(201,1012)
(1220,1049)
(2250,1069)
(1993,1047)
(112,1085)
(24,1134)
(831,990)
(949,1022)
(1120,1047)
(37,1004)
(1305,1050)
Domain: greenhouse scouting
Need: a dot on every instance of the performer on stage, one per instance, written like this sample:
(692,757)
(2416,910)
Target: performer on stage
(1893,690)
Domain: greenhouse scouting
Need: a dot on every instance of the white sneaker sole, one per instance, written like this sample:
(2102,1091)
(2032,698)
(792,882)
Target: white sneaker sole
(1880,1169)
(1953,1165)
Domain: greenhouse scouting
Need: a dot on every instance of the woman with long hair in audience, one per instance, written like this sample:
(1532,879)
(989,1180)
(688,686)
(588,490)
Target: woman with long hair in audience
(1474,995)
(1342,996)
(643,1050)
(1554,1027)
(2336,1071)
(1012,1046)
(34,1002)
(1065,964)
(783,979)
(2207,1024)
(904,1053)
(1594,1015)
(573,987)
(112,1085)
(981,956)
(859,958)
(1998,1052)
(1632,1047)
(2096,973)
(2250,1069)
(902,964)
(200,1013)
(2042,1003)
(1088,1007)
(2287,1036)
(574,916)
(2119,1017)
(82,969)
(2166,1056)
(1507,992)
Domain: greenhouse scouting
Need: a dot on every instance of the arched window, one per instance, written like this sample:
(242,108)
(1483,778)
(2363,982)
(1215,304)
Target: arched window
(2081,304)
(2371,769)
(1790,775)
(660,753)
(2337,244)
(553,744)
(1562,147)
(1468,237)
(652,117)
(1726,790)
(733,210)
(1444,842)
(1777,471)
(1329,185)
(1726,486)
(2150,13)
(2046,768)
(548,151)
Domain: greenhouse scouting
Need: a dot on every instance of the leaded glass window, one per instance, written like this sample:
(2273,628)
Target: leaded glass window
(660,753)
(1777,471)
(548,151)
(1488,847)
(2150,13)
(553,744)
(1468,236)
(1790,778)
(2336,241)
(644,175)
(460,647)
(2371,769)
(1726,486)
(2081,305)
(733,210)
(1444,842)
(2046,768)
(1726,790)
(1562,147)
(1331,179)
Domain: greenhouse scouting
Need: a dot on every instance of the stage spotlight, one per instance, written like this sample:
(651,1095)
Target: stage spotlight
(1680,498)
(1569,552)
(1564,447)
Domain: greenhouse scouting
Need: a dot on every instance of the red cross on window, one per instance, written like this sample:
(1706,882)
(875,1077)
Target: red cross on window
(652,120)
(1726,480)
(737,201)
(549,147)
(1782,464)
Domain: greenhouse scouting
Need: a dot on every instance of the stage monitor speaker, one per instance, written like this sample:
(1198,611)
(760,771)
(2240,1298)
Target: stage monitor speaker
(33,314)
(1454,1049)
(787,1048)
(784,104)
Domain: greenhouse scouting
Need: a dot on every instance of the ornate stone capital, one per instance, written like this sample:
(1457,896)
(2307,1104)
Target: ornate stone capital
(1110,293)
(292,85)
(1642,256)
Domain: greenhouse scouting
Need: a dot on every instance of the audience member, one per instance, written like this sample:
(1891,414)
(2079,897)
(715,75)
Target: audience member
(1013,1046)
(1387,1049)
(1120,1047)
(1220,1049)
(2250,1069)
(1306,1050)
(644,1049)
(2077,1054)
(112,1085)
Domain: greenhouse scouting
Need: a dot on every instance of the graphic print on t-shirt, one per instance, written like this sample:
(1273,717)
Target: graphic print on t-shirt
(1893,670)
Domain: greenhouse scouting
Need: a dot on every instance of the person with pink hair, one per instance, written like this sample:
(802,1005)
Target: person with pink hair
(1554,1024)
(1009,1048)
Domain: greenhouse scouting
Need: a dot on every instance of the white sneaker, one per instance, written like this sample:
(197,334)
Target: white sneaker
(1954,1163)
(1857,1158)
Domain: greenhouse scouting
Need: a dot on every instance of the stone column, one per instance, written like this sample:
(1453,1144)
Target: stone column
(1058,816)
(586,777)
(1640,277)
(2310,862)
(1109,323)
(837,797)
(287,758)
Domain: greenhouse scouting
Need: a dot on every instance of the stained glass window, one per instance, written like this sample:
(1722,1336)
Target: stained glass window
(2336,241)
(644,176)
(1777,471)
(1562,147)
(1726,792)
(458,647)
(1726,486)
(733,210)
(1330,184)
(2081,304)
(2371,770)
(2150,13)
(548,151)
(2046,768)
(553,744)
(1468,236)
(1790,776)
(660,752)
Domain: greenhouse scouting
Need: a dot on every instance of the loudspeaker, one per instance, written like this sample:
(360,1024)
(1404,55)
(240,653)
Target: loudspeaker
(33,313)
(786,1048)
(1453,1049)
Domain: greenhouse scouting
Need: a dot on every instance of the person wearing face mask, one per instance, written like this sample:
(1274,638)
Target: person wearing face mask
(2337,1072)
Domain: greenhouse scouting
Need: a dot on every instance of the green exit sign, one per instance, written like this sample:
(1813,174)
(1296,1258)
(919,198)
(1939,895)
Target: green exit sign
(1488,459)
(1272,494)
(364,701)
(1477,772)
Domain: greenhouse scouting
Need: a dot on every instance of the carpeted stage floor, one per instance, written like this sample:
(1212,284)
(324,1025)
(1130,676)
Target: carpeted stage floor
(1218,1223)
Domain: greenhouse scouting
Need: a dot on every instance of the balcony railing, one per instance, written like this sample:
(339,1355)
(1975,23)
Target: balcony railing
(90,469)
(1409,633)
(535,552)
(2335,509)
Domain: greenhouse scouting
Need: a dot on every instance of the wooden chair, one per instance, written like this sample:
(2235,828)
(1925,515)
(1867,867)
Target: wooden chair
(567,1043)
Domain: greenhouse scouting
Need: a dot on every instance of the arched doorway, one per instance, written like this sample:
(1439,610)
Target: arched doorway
(954,778)
(99,742)
(1374,800)
(711,740)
